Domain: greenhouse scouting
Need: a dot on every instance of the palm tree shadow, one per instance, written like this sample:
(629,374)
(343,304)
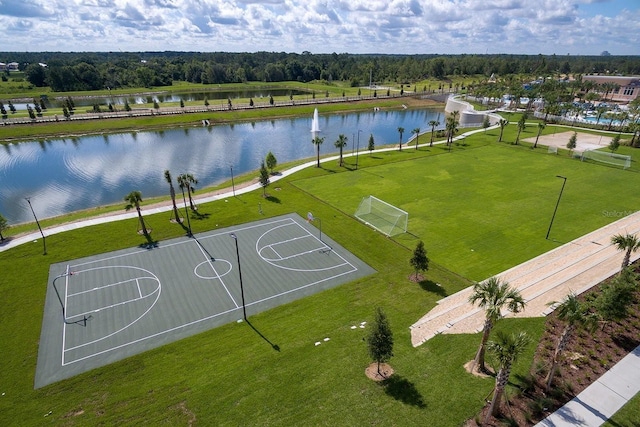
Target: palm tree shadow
(433,287)
(276,347)
(150,244)
(273,199)
(403,390)
(197,215)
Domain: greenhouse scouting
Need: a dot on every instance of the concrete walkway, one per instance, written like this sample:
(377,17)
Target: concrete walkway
(574,267)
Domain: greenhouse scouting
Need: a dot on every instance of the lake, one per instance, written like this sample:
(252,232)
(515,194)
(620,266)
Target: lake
(63,175)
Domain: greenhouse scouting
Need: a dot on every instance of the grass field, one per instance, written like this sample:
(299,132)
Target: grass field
(232,376)
(496,200)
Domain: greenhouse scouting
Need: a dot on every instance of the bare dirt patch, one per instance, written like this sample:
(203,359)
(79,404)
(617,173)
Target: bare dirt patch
(385,372)
(584,141)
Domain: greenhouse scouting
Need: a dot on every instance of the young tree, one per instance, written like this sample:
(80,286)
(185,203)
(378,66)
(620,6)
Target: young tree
(206,102)
(133,200)
(416,132)
(380,339)
(541,127)
(614,144)
(3,226)
(340,143)
(419,260)
(493,295)
(506,349)
(502,123)
(271,161)
(371,145)
(187,181)
(486,123)
(628,243)
(181,103)
(317,141)
(127,107)
(264,178)
(575,315)
(172,192)
(400,131)
(433,124)
(573,142)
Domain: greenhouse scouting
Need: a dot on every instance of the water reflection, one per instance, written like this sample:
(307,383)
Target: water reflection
(68,174)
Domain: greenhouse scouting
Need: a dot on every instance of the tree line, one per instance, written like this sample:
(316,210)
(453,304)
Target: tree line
(69,71)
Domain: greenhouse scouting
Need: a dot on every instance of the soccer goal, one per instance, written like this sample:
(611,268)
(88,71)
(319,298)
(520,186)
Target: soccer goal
(609,158)
(382,216)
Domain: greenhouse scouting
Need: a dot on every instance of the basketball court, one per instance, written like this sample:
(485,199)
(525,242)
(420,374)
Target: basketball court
(104,308)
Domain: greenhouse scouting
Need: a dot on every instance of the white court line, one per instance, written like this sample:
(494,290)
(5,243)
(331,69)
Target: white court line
(288,221)
(64,330)
(208,259)
(98,288)
(138,285)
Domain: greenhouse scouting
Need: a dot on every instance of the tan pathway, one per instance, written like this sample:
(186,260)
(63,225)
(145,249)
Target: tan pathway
(573,267)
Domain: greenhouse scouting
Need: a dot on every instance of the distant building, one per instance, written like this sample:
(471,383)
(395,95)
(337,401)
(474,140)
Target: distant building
(626,88)
(13,66)
(3,66)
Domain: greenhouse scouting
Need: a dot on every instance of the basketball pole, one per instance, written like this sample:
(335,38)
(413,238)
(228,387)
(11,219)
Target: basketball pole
(244,309)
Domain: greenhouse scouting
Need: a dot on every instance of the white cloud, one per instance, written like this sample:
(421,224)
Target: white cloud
(356,26)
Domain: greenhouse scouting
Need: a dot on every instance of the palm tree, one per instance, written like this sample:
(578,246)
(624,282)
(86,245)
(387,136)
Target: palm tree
(416,131)
(541,127)
(502,123)
(3,226)
(433,124)
(629,243)
(522,124)
(452,128)
(133,200)
(172,191)
(600,110)
(340,143)
(575,315)
(493,295)
(400,131)
(317,141)
(506,349)
(185,181)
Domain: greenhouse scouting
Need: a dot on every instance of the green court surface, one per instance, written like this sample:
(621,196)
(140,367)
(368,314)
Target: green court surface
(104,308)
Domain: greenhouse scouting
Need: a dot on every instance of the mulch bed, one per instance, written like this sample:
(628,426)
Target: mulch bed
(587,357)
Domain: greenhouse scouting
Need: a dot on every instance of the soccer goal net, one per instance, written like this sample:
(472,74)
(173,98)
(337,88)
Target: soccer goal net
(609,158)
(382,216)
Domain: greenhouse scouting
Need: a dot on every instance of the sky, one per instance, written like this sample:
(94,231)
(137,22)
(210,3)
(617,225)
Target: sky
(573,27)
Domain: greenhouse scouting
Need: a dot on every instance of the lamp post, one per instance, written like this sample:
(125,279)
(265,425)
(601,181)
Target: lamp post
(557,203)
(44,242)
(358,148)
(233,186)
(244,310)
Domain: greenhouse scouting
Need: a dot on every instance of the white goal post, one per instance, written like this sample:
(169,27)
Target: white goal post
(382,216)
(609,158)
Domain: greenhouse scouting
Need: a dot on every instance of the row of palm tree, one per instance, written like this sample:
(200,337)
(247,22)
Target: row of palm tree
(494,296)
(185,181)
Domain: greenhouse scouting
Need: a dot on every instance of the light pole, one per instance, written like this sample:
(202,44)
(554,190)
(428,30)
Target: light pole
(358,148)
(244,310)
(557,203)
(233,186)
(44,242)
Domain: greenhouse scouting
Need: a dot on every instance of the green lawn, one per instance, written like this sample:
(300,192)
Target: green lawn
(232,375)
(484,209)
